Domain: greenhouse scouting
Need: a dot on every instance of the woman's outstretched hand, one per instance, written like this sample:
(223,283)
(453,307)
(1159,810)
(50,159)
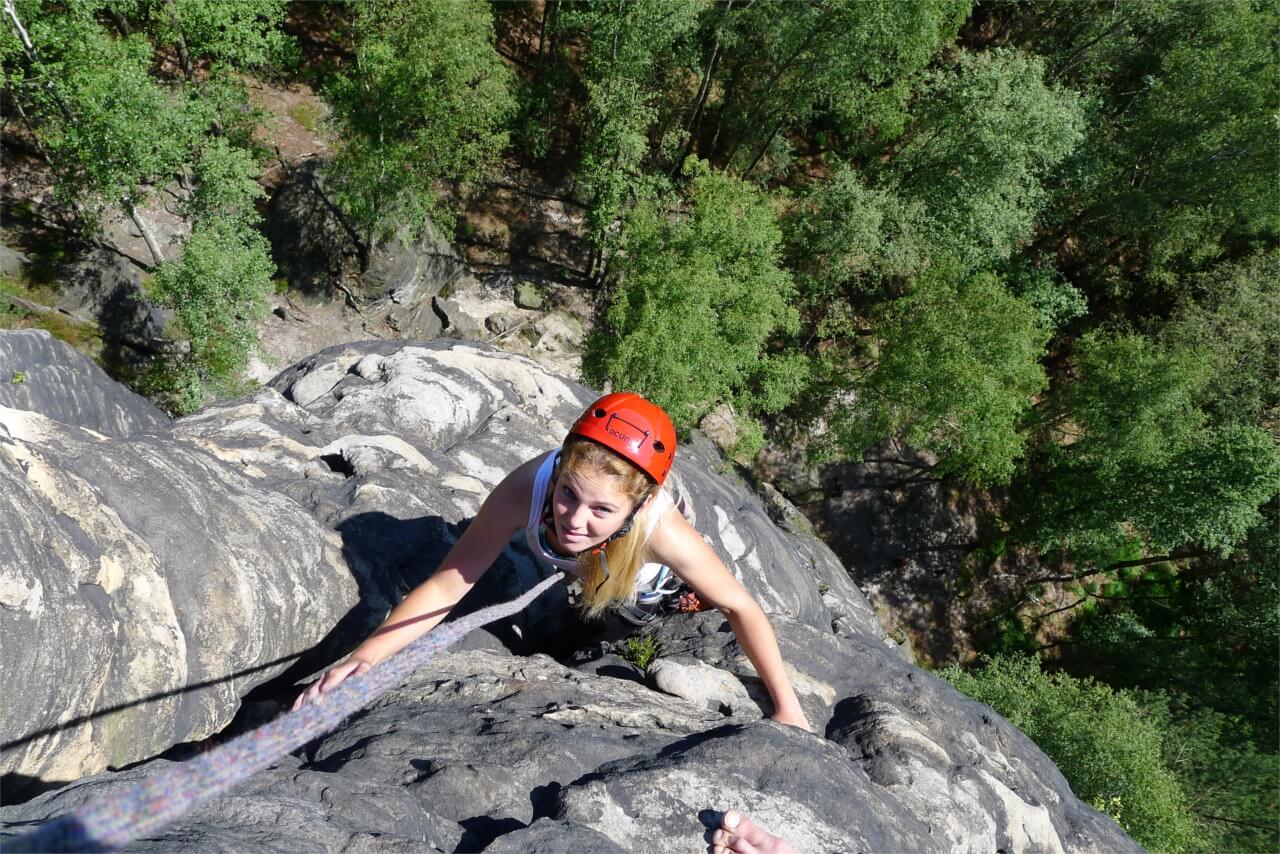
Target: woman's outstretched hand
(332,679)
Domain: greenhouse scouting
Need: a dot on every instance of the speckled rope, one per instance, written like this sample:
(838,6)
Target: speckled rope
(114,821)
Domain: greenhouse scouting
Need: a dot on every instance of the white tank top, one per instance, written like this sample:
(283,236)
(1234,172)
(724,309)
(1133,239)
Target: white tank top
(648,518)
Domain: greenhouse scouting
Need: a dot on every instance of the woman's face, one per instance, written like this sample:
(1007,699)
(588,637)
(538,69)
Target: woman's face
(587,509)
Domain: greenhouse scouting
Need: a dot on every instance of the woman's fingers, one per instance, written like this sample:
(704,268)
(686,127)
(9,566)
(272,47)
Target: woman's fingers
(332,678)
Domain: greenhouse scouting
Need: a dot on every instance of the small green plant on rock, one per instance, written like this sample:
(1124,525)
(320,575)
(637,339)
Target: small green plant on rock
(640,651)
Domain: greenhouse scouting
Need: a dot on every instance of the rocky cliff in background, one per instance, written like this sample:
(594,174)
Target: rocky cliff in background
(166,569)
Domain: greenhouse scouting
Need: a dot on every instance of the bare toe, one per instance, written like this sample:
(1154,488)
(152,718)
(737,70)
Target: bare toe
(744,837)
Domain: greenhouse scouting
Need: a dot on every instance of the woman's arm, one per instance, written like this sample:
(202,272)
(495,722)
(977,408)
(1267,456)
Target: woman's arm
(503,512)
(678,544)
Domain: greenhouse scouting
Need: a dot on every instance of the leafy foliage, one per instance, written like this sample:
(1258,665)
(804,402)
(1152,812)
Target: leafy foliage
(109,128)
(1102,740)
(226,184)
(1135,456)
(217,289)
(426,100)
(640,651)
(1227,315)
(981,143)
(233,33)
(786,64)
(1232,788)
(1179,134)
(958,366)
(628,47)
(1207,634)
(699,294)
(845,240)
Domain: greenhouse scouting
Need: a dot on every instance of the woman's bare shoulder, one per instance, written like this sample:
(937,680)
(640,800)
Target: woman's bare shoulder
(672,536)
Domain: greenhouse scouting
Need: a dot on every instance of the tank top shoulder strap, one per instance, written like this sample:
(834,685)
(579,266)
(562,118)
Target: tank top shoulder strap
(541,482)
(662,505)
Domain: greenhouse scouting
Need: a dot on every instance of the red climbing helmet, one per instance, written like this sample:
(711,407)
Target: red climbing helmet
(631,426)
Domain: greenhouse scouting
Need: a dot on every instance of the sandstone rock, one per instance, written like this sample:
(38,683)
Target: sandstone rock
(557,332)
(12,262)
(485,750)
(63,385)
(503,322)
(721,425)
(389,448)
(146,586)
(103,286)
(703,685)
(313,246)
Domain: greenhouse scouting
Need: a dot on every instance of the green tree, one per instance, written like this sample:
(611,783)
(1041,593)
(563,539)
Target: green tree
(110,131)
(1128,455)
(238,34)
(845,241)
(628,48)
(981,142)
(1206,633)
(226,185)
(425,100)
(1228,315)
(1181,133)
(1232,788)
(217,290)
(787,64)
(699,294)
(955,366)
(1102,740)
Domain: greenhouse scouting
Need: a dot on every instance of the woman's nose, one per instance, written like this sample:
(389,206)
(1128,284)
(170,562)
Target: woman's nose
(579,516)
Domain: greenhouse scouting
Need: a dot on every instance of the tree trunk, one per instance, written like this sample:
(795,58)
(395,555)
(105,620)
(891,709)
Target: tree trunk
(184,56)
(146,232)
(122,23)
(30,125)
(813,33)
(703,91)
(542,42)
(762,149)
(11,11)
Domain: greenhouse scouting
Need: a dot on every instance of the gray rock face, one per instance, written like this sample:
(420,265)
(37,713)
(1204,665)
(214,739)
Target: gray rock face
(12,262)
(105,287)
(497,746)
(313,246)
(59,383)
(132,570)
(102,281)
(485,750)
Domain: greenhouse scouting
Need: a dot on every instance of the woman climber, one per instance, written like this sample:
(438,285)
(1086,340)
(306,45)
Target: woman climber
(595,508)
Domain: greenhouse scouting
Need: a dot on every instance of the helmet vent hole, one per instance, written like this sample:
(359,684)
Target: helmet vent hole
(659,447)
(599,413)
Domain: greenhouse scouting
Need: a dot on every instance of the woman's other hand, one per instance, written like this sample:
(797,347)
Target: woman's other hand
(793,717)
(334,677)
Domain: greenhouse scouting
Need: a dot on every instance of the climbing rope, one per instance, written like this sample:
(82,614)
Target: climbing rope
(149,805)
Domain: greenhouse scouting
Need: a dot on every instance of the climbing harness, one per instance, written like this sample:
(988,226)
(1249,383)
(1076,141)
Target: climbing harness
(146,807)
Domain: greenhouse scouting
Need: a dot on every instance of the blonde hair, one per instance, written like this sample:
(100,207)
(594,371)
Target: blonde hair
(627,553)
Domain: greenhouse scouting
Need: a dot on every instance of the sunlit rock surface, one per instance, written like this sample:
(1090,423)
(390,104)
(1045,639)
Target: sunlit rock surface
(326,495)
